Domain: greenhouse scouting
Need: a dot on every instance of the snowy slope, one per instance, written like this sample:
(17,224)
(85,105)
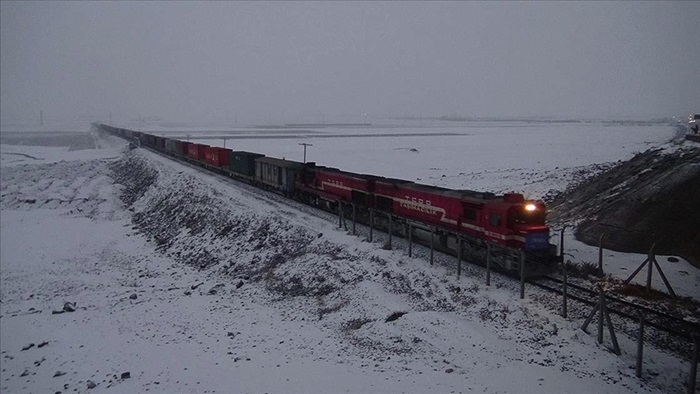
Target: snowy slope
(192,283)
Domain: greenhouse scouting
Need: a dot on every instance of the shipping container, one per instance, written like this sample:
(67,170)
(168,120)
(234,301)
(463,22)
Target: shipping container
(178,147)
(201,151)
(148,140)
(216,156)
(277,173)
(160,143)
(185,147)
(174,147)
(196,151)
(243,163)
(192,151)
(170,145)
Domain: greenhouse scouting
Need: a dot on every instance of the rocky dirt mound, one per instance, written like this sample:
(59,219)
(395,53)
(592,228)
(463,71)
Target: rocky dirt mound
(653,197)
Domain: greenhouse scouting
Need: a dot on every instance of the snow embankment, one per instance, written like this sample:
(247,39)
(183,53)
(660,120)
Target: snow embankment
(192,284)
(650,199)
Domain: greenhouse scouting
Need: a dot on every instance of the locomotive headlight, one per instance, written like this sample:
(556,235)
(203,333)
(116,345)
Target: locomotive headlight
(530,207)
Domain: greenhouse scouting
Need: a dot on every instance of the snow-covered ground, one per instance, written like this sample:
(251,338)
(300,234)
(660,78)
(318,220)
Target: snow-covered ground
(232,290)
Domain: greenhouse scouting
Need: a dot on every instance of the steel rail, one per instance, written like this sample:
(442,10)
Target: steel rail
(665,322)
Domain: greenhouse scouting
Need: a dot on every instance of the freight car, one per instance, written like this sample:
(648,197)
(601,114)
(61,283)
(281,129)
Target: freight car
(242,164)
(278,174)
(507,225)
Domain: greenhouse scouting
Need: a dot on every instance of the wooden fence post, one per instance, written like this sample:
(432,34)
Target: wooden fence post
(600,255)
(354,219)
(564,299)
(522,274)
(391,228)
(488,264)
(694,364)
(640,345)
(432,237)
(459,257)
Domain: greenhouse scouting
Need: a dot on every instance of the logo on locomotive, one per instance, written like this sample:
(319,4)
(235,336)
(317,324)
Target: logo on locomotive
(332,183)
(418,204)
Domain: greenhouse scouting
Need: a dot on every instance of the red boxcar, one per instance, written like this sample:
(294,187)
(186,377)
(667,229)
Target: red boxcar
(216,156)
(196,151)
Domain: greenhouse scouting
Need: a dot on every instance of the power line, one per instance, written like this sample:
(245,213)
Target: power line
(304,144)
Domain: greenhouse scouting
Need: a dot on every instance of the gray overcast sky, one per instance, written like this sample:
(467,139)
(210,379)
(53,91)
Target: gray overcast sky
(269,61)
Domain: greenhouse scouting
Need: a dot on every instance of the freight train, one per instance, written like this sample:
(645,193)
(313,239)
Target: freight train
(510,228)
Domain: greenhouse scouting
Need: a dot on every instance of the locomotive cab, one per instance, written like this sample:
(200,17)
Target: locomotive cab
(526,216)
(527,221)
(495,221)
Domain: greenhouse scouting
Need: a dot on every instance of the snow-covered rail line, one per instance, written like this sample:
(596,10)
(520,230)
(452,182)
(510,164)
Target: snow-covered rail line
(629,310)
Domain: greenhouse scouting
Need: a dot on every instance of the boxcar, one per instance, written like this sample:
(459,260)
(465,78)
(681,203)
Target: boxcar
(277,174)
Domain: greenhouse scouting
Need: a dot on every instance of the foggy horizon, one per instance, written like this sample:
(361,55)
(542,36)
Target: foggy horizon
(287,62)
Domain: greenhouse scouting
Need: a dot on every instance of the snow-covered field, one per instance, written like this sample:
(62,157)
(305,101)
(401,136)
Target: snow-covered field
(498,156)
(232,290)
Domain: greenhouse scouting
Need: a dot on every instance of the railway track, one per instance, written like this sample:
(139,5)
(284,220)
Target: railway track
(623,308)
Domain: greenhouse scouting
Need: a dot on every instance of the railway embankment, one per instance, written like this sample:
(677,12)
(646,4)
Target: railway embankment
(653,198)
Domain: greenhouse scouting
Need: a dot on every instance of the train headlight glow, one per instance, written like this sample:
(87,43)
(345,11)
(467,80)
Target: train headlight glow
(530,207)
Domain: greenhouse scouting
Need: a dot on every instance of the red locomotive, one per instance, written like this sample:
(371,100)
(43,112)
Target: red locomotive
(508,222)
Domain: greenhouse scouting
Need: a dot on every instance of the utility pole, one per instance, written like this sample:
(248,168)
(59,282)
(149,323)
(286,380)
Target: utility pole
(304,144)
(41,117)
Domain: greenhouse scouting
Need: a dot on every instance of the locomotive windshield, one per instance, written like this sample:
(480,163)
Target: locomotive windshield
(526,214)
